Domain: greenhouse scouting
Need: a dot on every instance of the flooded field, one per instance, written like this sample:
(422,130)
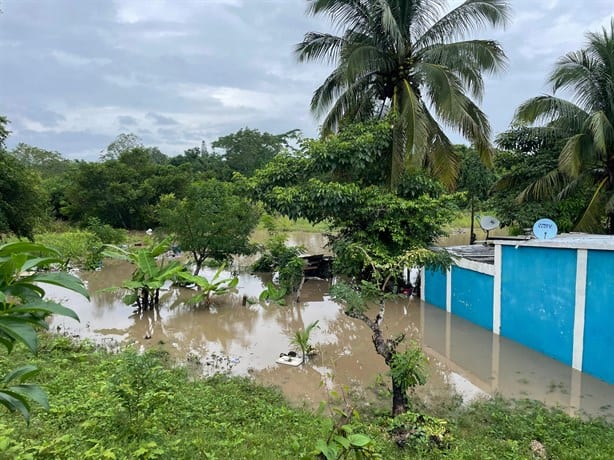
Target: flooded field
(246,340)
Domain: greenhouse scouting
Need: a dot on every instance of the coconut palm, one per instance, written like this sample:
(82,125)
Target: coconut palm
(587,124)
(401,58)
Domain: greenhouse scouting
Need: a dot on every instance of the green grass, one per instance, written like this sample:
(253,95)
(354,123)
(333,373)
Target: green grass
(130,406)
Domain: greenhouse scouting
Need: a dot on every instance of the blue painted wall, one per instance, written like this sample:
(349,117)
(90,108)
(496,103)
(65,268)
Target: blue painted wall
(598,356)
(435,284)
(472,296)
(538,298)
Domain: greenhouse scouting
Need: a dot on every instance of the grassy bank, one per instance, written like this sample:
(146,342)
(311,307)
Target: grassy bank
(133,406)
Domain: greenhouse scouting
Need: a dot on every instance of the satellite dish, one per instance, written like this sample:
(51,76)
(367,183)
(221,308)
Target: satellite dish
(489,223)
(544,229)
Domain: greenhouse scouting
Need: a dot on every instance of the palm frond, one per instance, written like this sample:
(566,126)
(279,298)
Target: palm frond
(602,133)
(464,19)
(319,47)
(580,73)
(439,156)
(590,221)
(573,153)
(544,188)
(468,59)
(544,109)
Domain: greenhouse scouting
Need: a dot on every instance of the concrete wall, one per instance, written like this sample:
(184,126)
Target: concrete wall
(472,296)
(598,344)
(553,298)
(538,297)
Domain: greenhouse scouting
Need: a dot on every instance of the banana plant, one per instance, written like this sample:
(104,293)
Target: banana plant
(206,288)
(149,274)
(24,272)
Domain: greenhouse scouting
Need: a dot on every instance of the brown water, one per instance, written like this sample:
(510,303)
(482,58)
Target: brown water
(247,340)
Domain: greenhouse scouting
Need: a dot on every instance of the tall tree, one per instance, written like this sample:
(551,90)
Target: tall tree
(249,149)
(401,57)
(475,179)
(212,221)
(587,123)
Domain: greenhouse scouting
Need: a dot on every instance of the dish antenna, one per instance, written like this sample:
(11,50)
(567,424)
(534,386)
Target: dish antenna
(489,223)
(545,229)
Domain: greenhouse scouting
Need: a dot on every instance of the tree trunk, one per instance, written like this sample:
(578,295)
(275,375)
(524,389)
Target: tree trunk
(400,405)
(387,349)
(199,263)
(471,230)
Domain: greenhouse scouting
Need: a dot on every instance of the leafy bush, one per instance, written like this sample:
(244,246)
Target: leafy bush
(276,254)
(106,233)
(79,247)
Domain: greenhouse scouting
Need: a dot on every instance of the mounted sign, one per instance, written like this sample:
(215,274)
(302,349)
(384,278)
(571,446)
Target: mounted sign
(544,229)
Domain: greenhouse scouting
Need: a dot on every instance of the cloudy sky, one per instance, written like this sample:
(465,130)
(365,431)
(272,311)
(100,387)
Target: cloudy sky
(76,73)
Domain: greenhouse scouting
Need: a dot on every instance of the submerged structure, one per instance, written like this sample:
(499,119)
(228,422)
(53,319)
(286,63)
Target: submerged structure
(554,296)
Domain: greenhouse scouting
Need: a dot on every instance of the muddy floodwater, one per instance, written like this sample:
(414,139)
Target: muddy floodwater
(247,340)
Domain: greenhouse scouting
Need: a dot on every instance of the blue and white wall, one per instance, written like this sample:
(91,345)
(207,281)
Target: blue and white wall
(554,296)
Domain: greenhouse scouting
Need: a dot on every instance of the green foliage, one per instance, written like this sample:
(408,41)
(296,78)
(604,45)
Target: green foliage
(106,233)
(122,192)
(586,123)
(23,311)
(249,149)
(385,224)
(403,61)
(137,406)
(301,339)
(212,221)
(208,288)
(345,439)
(420,431)
(291,274)
(525,161)
(234,418)
(79,247)
(409,368)
(273,293)
(140,387)
(4,130)
(22,197)
(276,256)
(150,272)
(346,444)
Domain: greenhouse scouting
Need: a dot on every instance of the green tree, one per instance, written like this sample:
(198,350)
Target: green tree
(475,179)
(249,149)
(408,367)
(23,200)
(122,143)
(4,130)
(400,57)
(47,163)
(212,221)
(587,124)
(199,160)
(122,192)
(523,160)
(351,198)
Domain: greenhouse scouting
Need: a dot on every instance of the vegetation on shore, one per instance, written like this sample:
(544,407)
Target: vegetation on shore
(127,405)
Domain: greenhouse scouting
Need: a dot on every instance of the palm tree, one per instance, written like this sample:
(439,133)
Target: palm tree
(587,125)
(400,58)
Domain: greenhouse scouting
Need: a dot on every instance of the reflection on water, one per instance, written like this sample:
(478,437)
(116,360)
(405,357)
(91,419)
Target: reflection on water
(248,339)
